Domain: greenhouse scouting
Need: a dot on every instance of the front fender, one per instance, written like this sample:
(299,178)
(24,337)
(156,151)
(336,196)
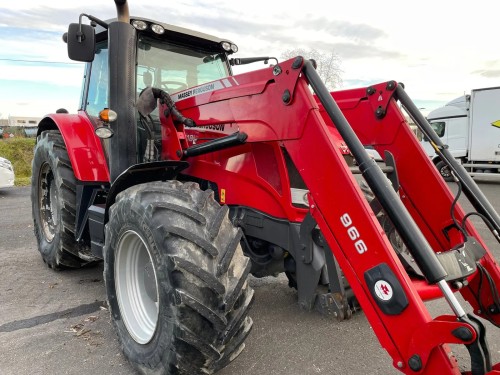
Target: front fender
(84,147)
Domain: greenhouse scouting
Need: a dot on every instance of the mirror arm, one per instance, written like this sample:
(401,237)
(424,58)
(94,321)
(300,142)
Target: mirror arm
(80,35)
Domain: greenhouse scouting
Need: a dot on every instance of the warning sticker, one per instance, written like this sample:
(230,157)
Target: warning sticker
(383,290)
(496,123)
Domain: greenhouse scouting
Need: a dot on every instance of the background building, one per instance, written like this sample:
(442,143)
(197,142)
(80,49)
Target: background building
(19,126)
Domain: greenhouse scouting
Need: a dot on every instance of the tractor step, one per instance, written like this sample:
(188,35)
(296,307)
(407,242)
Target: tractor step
(96,228)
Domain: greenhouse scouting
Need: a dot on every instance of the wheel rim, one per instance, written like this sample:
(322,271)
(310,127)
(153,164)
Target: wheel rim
(47,195)
(445,171)
(136,287)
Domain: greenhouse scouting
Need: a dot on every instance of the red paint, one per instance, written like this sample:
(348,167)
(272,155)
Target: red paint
(84,147)
(309,136)
(255,175)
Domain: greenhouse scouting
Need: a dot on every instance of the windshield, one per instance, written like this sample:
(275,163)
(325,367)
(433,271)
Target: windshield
(174,67)
(439,128)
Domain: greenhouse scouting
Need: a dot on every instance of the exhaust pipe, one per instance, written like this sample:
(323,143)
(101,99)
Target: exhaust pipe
(122,12)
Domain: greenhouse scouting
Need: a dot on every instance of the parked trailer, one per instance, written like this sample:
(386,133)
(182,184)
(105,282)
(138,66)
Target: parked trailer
(470,127)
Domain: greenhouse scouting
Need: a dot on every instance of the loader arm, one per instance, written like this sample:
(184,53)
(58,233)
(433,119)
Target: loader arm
(419,207)
(363,251)
(398,313)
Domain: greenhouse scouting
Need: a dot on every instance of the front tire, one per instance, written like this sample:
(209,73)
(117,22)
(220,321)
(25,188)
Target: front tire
(175,278)
(53,198)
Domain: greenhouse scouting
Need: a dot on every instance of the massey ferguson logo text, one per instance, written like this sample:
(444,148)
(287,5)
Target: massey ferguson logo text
(212,86)
(219,127)
(196,91)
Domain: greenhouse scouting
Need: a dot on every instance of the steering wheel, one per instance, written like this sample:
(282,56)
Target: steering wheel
(177,86)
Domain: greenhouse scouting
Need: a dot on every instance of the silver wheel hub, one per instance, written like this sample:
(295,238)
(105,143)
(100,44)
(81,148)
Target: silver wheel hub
(136,287)
(47,195)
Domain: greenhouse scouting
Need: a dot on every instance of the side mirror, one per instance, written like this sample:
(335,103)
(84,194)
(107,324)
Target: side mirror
(81,42)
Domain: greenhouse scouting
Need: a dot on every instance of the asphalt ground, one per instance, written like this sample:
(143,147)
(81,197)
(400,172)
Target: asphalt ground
(57,322)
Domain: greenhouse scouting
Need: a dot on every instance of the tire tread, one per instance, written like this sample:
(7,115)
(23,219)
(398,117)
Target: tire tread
(211,303)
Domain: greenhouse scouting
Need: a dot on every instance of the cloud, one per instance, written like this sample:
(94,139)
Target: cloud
(348,50)
(349,83)
(19,43)
(428,105)
(344,29)
(488,73)
(38,18)
(348,39)
(55,74)
(372,49)
(361,51)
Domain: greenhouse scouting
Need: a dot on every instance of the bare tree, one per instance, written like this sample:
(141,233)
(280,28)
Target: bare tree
(328,64)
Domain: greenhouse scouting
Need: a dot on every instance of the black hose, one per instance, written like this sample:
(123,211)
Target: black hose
(165,98)
(485,219)
(452,210)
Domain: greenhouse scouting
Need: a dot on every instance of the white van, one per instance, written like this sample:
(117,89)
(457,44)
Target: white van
(6,173)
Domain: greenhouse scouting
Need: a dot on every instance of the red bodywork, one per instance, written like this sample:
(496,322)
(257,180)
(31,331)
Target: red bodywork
(84,147)
(255,175)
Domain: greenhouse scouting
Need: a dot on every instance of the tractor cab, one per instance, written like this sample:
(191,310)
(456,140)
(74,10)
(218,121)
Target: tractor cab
(165,57)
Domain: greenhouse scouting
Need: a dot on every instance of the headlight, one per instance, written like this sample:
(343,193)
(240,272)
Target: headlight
(157,29)
(229,47)
(139,25)
(104,132)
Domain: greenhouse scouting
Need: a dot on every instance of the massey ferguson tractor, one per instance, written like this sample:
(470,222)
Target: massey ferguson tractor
(184,179)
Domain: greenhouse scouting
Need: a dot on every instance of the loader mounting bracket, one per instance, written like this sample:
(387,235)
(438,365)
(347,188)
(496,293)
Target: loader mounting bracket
(379,97)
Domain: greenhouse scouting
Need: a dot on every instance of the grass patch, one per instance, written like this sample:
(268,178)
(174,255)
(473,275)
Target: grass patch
(20,152)
(22,181)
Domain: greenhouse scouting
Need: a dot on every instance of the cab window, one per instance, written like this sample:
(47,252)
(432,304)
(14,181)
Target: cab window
(174,67)
(97,96)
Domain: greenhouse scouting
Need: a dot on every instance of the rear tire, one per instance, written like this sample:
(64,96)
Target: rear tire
(175,278)
(53,199)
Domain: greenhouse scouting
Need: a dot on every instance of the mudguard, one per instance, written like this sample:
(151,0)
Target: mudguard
(84,147)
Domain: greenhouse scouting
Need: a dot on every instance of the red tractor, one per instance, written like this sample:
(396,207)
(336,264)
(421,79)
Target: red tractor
(185,179)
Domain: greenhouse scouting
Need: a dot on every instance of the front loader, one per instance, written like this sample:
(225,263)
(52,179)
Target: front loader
(185,179)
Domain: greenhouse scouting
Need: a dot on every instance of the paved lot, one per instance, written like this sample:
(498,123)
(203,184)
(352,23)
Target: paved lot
(57,323)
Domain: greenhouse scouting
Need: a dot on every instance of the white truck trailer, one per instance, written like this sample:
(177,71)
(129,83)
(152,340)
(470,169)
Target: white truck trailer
(470,126)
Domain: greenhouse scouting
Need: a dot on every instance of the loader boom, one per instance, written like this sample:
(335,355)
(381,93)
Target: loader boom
(419,207)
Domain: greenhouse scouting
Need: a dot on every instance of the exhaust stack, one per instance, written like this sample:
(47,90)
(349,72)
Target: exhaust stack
(122,12)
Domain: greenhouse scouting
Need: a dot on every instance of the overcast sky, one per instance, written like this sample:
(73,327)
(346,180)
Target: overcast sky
(438,49)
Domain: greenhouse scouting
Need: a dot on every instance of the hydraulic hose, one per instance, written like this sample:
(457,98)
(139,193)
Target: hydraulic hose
(165,98)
